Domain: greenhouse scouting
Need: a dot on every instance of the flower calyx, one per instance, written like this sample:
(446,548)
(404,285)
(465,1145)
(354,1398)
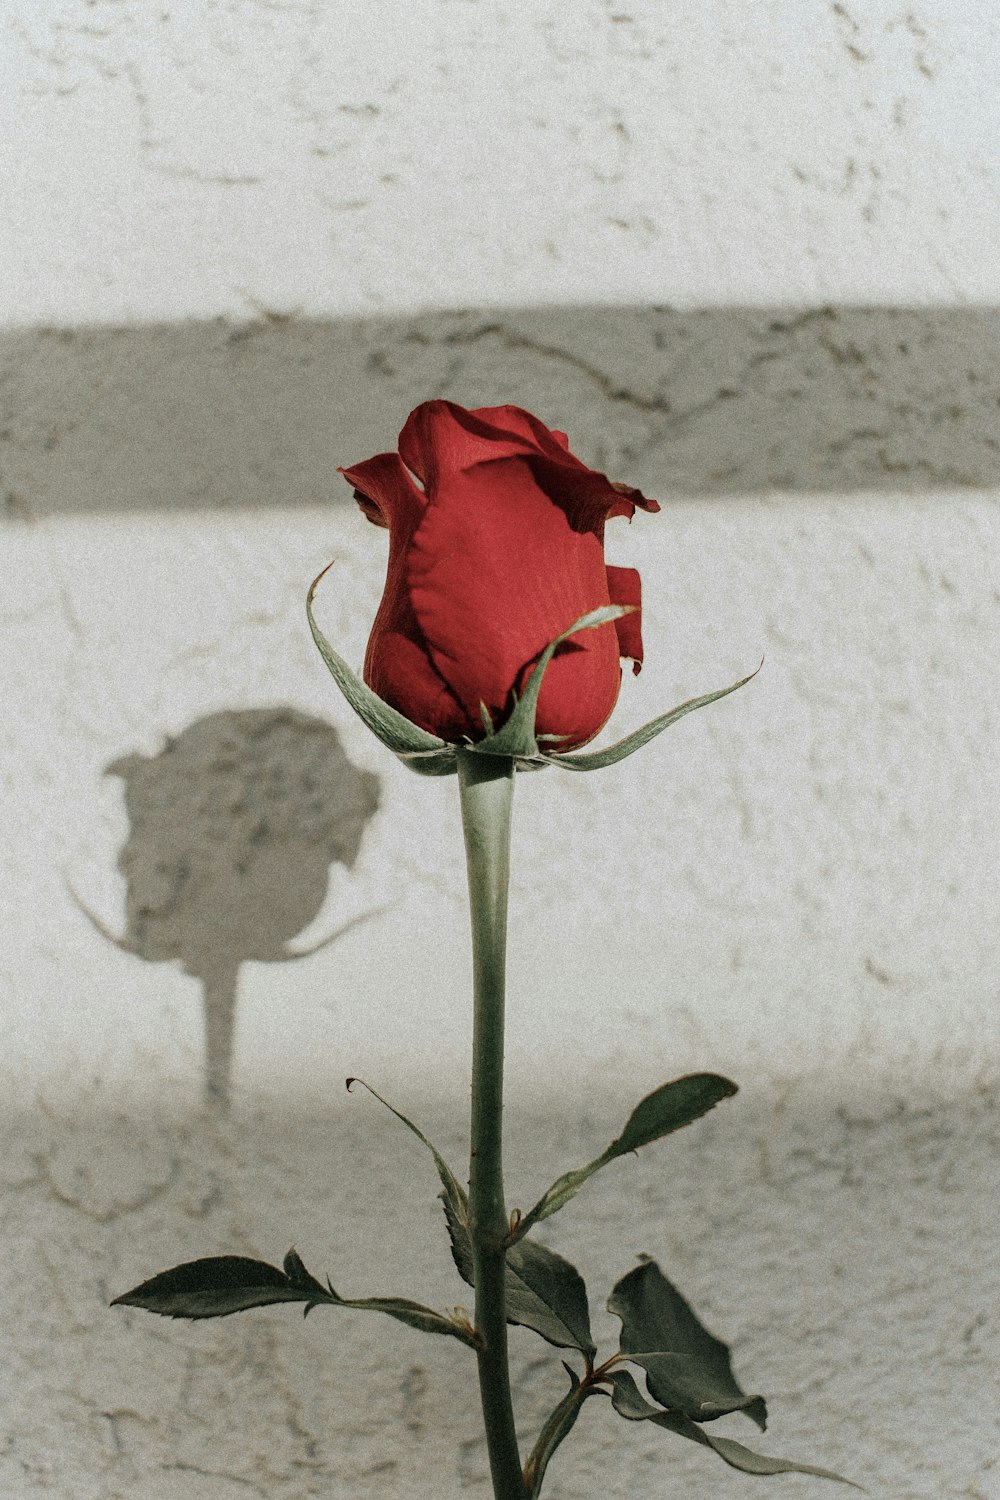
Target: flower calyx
(430,755)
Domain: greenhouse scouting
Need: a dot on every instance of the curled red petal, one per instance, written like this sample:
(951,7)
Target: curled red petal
(625,587)
(386,493)
(588,498)
(514,420)
(439,438)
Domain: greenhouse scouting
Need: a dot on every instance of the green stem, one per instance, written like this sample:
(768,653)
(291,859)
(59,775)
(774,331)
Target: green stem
(486,785)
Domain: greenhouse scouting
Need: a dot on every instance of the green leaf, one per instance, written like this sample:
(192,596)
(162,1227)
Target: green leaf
(558,1426)
(292,1266)
(665,1110)
(224,1284)
(628,1403)
(457,1218)
(671,1107)
(543,1291)
(421,751)
(453,1195)
(517,737)
(547,1294)
(596,760)
(456,1200)
(686,1367)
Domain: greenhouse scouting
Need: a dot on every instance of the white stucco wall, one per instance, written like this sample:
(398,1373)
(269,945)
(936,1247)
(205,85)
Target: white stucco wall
(353,157)
(748,264)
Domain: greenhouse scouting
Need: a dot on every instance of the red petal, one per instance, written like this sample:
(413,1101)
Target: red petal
(398,668)
(625,587)
(397,665)
(439,438)
(514,419)
(499,553)
(387,494)
(496,572)
(635,498)
(588,498)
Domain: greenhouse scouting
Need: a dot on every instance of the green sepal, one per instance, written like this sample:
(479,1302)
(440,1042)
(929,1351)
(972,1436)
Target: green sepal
(221,1285)
(596,760)
(559,1425)
(630,1404)
(665,1110)
(431,756)
(543,1291)
(421,751)
(456,1199)
(517,737)
(687,1368)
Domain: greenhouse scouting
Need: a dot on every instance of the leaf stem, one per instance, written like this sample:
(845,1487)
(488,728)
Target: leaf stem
(486,787)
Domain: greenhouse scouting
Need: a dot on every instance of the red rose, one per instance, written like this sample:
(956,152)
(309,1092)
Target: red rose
(495,552)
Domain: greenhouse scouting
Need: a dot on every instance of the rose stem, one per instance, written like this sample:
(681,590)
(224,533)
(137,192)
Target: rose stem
(486,786)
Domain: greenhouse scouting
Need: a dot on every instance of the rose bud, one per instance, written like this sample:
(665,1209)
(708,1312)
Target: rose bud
(496,546)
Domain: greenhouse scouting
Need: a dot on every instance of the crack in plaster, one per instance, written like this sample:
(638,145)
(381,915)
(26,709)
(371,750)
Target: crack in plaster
(846,353)
(115,1211)
(227,1474)
(828,399)
(610,388)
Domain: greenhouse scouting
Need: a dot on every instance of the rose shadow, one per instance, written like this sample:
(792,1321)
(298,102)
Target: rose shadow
(234,826)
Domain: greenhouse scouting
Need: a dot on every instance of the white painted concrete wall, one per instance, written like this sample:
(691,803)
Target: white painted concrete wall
(748,263)
(362,155)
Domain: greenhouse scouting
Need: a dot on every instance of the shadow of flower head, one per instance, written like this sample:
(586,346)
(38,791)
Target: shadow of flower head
(233,829)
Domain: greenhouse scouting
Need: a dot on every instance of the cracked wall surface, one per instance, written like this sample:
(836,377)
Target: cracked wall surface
(714,401)
(816,1234)
(746,261)
(219,156)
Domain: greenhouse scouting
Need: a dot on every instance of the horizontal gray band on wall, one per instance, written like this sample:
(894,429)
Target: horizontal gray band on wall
(705,402)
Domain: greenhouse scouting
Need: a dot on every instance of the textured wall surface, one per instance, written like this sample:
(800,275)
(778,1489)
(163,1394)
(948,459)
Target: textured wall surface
(806,870)
(844,1246)
(362,156)
(748,265)
(797,885)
